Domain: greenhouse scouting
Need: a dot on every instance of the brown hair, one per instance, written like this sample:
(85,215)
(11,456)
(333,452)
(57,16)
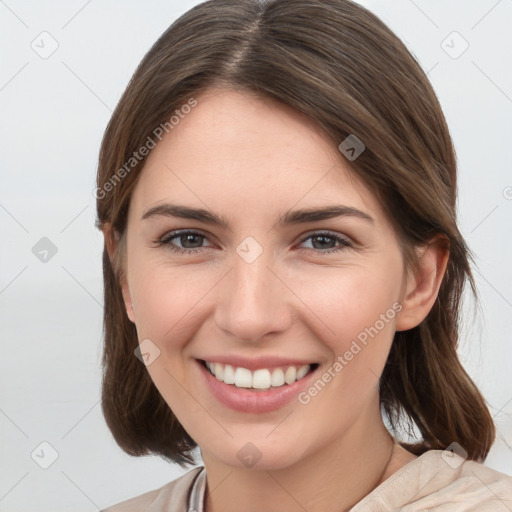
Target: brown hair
(340,65)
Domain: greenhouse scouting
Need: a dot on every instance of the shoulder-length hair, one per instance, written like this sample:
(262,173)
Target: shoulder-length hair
(343,67)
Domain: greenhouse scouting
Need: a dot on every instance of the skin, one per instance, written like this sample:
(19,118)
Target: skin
(250,159)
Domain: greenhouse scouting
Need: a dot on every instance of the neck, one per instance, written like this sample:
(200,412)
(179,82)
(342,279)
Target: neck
(332,479)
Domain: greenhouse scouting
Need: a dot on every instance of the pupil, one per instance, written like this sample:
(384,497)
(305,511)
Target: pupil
(190,237)
(322,238)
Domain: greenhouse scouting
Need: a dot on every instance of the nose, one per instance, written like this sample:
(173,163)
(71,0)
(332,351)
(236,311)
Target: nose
(253,299)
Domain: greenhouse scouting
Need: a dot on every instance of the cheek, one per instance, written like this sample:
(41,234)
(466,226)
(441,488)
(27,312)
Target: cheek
(349,301)
(168,301)
(355,313)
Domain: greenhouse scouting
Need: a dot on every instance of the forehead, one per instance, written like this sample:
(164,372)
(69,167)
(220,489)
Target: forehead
(238,152)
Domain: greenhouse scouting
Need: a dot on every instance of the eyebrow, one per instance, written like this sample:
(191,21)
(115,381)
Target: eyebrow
(288,218)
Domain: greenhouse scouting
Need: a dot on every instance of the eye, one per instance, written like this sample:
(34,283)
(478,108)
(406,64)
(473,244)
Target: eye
(191,241)
(325,240)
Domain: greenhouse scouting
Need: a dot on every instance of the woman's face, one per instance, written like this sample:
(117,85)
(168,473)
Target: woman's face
(270,289)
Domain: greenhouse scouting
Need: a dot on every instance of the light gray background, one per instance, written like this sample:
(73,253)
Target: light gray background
(54,112)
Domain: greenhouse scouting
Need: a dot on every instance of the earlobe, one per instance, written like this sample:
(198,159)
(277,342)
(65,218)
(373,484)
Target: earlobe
(130,310)
(422,286)
(111,244)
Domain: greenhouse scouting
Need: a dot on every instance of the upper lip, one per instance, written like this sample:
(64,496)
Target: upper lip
(256,363)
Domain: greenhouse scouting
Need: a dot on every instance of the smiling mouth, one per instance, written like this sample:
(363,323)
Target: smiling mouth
(263,379)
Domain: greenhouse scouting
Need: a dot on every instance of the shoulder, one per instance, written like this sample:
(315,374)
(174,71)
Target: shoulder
(481,486)
(441,479)
(168,498)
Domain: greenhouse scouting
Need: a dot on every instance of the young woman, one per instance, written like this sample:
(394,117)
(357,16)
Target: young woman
(282,265)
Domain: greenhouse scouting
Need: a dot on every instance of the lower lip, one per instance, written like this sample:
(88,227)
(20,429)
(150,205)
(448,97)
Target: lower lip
(251,401)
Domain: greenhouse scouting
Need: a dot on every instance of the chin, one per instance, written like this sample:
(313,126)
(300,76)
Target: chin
(258,455)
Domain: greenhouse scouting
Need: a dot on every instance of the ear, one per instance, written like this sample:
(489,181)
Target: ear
(111,238)
(422,286)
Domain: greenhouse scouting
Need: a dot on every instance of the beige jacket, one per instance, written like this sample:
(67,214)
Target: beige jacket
(437,480)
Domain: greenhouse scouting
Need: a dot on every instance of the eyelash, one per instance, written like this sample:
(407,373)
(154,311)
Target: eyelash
(166,241)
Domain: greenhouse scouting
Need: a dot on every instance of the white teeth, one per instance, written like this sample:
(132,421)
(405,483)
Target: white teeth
(302,371)
(243,378)
(262,378)
(290,375)
(229,374)
(277,377)
(218,370)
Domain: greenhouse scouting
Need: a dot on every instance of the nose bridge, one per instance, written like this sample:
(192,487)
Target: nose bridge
(252,302)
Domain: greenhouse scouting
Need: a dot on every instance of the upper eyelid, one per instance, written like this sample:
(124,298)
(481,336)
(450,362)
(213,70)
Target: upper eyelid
(178,232)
